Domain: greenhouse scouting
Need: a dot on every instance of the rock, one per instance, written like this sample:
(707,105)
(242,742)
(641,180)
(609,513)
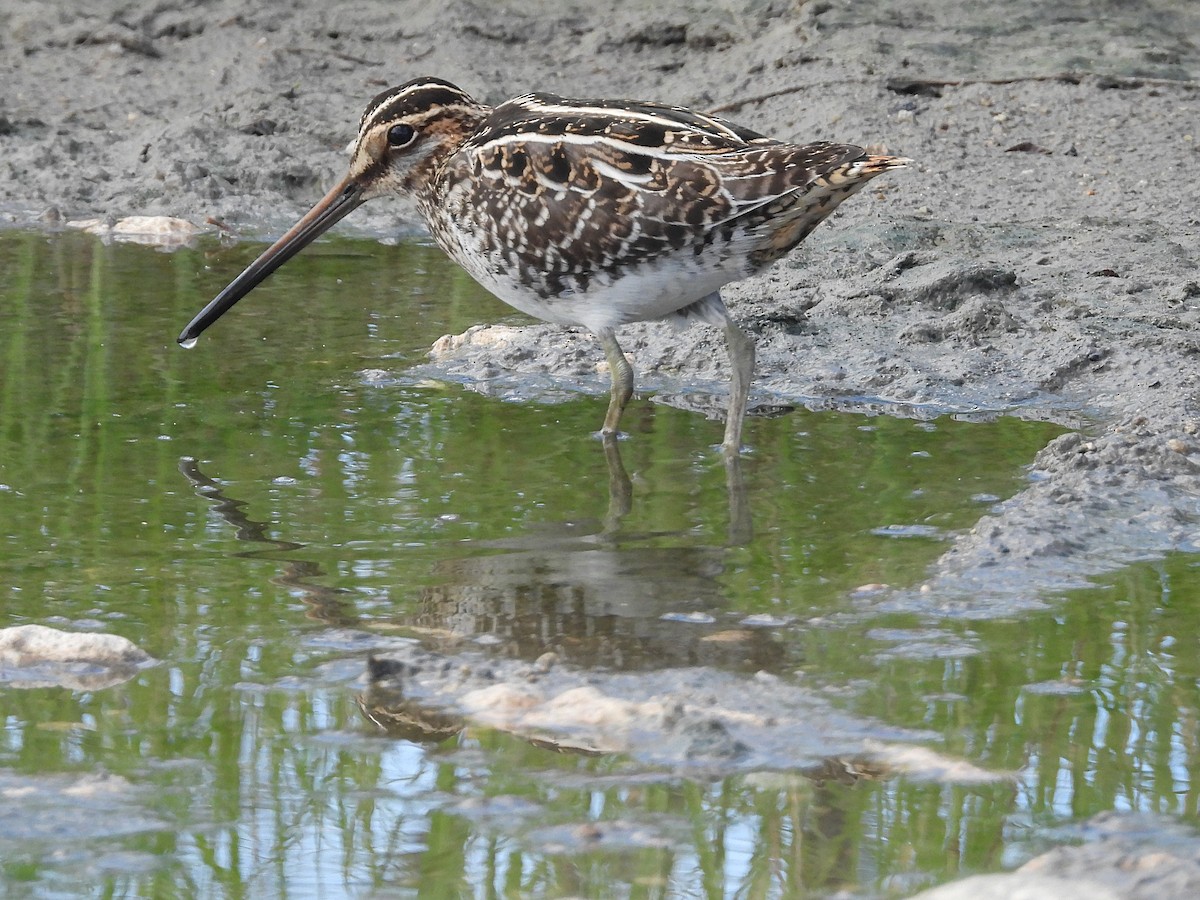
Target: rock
(1124,857)
(37,656)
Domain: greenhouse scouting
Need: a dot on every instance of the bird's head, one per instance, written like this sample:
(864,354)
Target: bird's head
(406,132)
(403,136)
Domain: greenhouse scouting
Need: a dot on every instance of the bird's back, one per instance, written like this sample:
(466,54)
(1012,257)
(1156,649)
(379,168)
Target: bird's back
(574,208)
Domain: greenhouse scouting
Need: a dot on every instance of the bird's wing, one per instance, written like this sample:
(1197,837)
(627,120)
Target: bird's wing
(581,186)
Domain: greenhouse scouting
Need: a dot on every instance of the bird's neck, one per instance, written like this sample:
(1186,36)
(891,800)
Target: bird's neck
(450,132)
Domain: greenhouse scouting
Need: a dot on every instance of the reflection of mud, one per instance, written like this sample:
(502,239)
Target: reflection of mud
(59,810)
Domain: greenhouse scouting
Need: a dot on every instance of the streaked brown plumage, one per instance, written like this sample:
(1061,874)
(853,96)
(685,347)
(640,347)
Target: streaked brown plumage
(587,212)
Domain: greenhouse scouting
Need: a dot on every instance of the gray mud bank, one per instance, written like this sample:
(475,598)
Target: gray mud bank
(1039,257)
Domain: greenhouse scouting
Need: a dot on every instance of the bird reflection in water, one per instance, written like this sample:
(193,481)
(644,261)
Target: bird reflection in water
(590,591)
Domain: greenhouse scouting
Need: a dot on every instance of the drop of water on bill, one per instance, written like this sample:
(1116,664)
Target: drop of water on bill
(188,344)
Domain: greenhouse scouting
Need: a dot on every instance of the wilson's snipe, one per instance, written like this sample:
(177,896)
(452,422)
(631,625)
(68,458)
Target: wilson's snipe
(587,212)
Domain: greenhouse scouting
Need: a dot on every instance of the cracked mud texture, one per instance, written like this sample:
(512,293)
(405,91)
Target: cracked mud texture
(1038,258)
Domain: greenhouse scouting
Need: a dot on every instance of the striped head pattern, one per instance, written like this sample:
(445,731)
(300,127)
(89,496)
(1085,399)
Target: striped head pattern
(406,131)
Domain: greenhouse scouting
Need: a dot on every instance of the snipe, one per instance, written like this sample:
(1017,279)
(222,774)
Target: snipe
(587,212)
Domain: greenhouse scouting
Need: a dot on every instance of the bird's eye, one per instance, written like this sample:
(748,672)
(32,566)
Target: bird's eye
(401,135)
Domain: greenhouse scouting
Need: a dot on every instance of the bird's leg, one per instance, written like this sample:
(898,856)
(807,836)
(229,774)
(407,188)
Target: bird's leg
(741,364)
(622,380)
(620,488)
(741,525)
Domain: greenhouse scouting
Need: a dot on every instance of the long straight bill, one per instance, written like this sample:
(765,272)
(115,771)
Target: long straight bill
(332,208)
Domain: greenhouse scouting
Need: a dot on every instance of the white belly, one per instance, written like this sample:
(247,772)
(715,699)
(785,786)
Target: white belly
(652,290)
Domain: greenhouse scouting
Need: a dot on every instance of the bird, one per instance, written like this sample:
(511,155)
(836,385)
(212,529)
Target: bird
(587,213)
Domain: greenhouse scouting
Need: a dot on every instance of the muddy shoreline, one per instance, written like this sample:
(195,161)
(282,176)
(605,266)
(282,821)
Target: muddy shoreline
(1038,259)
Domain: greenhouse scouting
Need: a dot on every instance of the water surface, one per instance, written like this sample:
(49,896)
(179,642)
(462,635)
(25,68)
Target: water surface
(249,510)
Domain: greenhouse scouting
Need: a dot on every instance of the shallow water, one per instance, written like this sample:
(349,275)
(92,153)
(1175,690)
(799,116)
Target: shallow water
(259,514)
